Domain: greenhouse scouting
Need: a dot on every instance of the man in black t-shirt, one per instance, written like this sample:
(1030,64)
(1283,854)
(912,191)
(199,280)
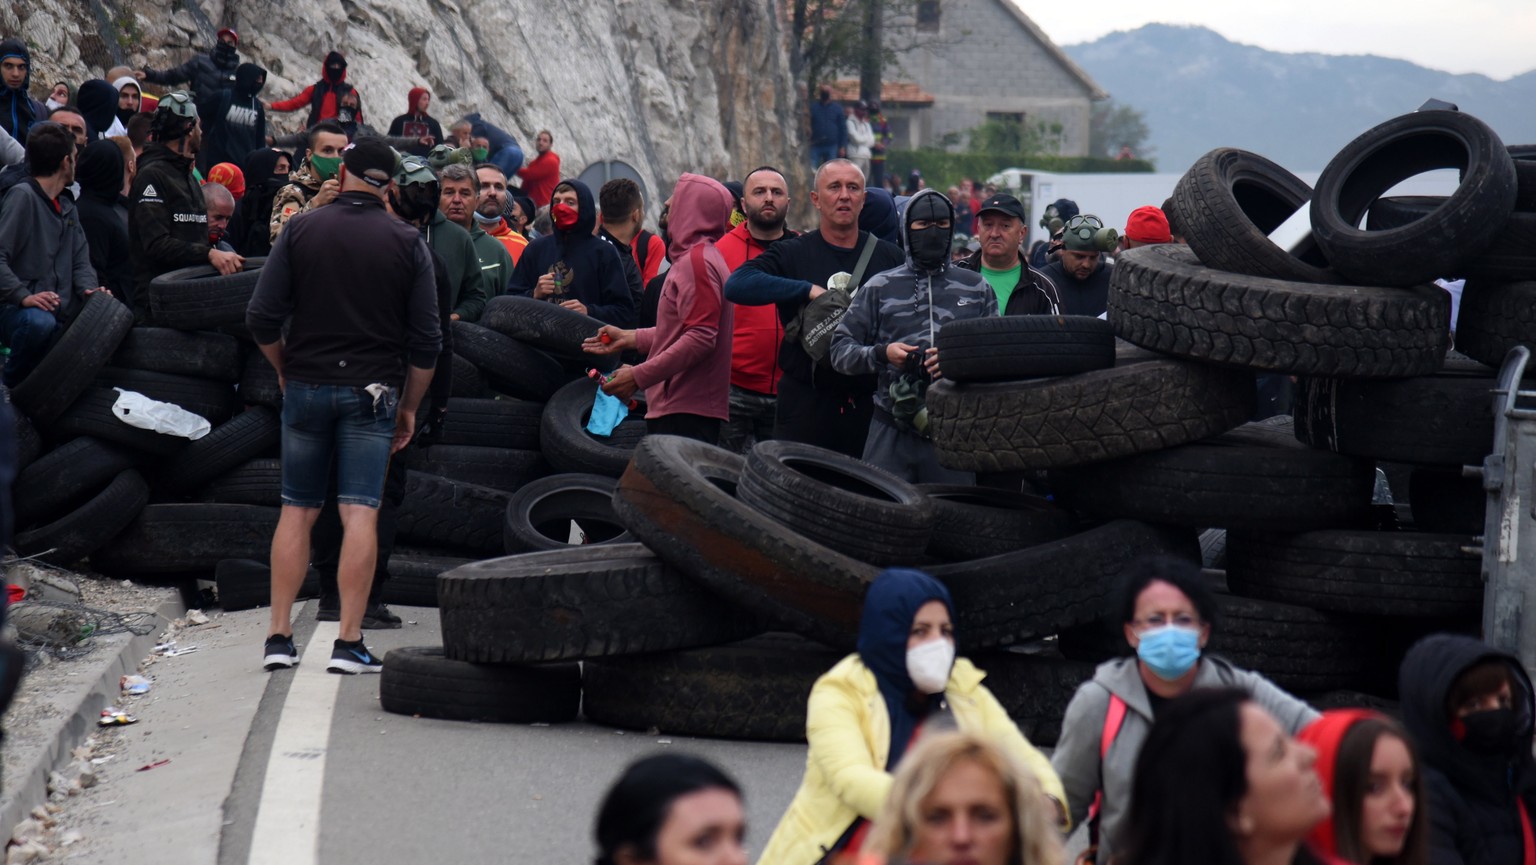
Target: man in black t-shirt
(818,405)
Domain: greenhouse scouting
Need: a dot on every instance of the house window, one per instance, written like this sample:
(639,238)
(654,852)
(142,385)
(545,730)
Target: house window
(1007,116)
(928,15)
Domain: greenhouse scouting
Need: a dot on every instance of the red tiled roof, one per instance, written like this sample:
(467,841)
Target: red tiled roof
(846,90)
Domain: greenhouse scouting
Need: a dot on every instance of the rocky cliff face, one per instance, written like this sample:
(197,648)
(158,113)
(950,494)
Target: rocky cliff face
(664,85)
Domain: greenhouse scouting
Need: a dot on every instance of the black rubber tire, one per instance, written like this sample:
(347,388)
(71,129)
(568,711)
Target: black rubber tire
(92,415)
(1213,549)
(580,602)
(539,514)
(510,366)
(570,448)
(188,539)
(838,501)
(498,468)
(1445,502)
(420,681)
(413,576)
(1034,690)
(1227,205)
(66,371)
(29,445)
(468,381)
(1044,589)
(1495,319)
(1297,648)
(1222,484)
(497,423)
(547,326)
(1163,298)
(1392,152)
(258,382)
(756,689)
(85,530)
(62,479)
(200,298)
(253,433)
(977,522)
(1005,348)
(1051,423)
(1510,258)
(244,584)
(453,514)
(212,400)
(256,482)
(1525,175)
(202,354)
(678,497)
(1444,419)
(1361,572)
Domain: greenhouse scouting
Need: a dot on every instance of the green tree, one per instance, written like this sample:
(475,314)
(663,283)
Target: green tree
(1114,126)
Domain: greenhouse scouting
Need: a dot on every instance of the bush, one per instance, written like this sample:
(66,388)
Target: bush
(942,169)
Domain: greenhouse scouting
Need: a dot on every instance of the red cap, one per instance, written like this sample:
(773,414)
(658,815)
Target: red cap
(230,31)
(1148,225)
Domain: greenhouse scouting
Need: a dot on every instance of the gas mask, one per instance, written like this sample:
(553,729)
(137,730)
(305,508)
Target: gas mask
(416,201)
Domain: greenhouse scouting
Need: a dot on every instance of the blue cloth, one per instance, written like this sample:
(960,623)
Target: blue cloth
(822,153)
(27,331)
(607,413)
(504,149)
(879,215)
(322,421)
(889,607)
(829,125)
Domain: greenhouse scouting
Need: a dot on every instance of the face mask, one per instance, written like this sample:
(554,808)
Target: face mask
(224,52)
(1494,732)
(214,236)
(928,665)
(929,247)
(1170,651)
(564,216)
(481,153)
(325,166)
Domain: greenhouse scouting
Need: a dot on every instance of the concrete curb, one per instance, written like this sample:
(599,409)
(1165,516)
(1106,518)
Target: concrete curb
(80,710)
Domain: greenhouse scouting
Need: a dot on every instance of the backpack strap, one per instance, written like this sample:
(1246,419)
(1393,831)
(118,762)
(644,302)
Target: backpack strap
(1114,719)
(870,242)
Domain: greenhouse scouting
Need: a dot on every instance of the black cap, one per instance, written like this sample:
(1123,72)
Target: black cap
(372,160)
(1003,203)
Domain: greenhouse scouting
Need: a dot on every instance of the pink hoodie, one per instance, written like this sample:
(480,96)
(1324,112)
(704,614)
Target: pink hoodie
(688,368)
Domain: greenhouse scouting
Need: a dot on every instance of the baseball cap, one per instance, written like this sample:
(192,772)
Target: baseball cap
(1148,224)
(231,32)
(1003,203)
(371,160)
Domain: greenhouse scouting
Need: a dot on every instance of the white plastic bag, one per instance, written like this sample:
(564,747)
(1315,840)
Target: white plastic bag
(136,409)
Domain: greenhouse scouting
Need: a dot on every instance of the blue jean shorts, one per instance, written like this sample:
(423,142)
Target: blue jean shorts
(325,422)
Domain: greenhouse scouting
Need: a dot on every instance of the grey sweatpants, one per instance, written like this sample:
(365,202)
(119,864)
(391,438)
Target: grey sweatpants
(907,456)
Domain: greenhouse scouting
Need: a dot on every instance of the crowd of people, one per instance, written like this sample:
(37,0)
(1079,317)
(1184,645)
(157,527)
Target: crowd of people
(1170,756)
(737,329)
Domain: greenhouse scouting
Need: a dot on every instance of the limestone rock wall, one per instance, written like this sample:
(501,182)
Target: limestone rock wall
(665,85)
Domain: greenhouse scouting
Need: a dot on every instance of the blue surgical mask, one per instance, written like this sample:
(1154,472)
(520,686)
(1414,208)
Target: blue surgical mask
(1170,651)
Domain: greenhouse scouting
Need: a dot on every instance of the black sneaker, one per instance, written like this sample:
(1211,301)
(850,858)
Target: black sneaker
(328,610)
(280,653)
(350,658)
(378,618)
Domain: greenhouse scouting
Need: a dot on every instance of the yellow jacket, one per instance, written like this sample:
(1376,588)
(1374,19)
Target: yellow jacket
(849,731)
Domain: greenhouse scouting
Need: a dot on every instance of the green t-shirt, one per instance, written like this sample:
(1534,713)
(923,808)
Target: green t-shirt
(1002,282)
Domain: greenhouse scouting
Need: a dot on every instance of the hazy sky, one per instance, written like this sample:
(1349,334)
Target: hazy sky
(1494,37)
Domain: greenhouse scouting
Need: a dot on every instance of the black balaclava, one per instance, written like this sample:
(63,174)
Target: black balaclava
(929,247)
(224,55)
(100,171)
(97,101)
(249,79)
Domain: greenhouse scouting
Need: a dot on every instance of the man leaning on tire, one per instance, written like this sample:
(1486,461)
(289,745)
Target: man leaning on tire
(355,287)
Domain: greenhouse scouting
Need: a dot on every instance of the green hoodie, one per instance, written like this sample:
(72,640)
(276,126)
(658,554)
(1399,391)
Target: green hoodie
(495,262)
(453,244)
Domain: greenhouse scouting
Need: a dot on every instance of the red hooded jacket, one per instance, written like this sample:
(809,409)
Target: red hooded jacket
(758,331)
(1324,735)
(330,95)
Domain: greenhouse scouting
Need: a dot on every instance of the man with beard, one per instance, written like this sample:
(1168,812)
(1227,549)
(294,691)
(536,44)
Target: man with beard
(460,196)
(210,74)
(1081,275)
(168,221)
(619,212)
(493,203)
(541,174)
(817,404)
(18,110)
(757,332)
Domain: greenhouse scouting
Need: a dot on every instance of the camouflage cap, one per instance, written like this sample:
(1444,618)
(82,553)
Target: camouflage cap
(414,169)
(444,155)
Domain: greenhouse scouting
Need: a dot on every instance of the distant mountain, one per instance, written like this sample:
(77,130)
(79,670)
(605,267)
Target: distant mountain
(1199,90)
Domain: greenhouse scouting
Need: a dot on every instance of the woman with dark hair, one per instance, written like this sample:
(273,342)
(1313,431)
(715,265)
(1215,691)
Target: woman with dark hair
(1167,613)
(1372,776)
(1469,707)
(1220,782)
(869,709)
(671,809)
(266,171)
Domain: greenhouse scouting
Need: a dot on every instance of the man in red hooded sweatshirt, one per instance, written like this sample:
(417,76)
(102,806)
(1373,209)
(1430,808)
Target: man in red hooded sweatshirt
(686,375)
(417,123)
(324,96)
(757,331)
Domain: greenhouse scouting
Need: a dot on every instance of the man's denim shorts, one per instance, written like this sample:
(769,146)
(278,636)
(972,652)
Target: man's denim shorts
(322,422)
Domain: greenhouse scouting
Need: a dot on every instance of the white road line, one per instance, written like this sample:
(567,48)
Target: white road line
(288,818)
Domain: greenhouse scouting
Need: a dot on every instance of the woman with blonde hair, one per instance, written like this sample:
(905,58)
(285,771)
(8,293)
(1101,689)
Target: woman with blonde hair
(961,798)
